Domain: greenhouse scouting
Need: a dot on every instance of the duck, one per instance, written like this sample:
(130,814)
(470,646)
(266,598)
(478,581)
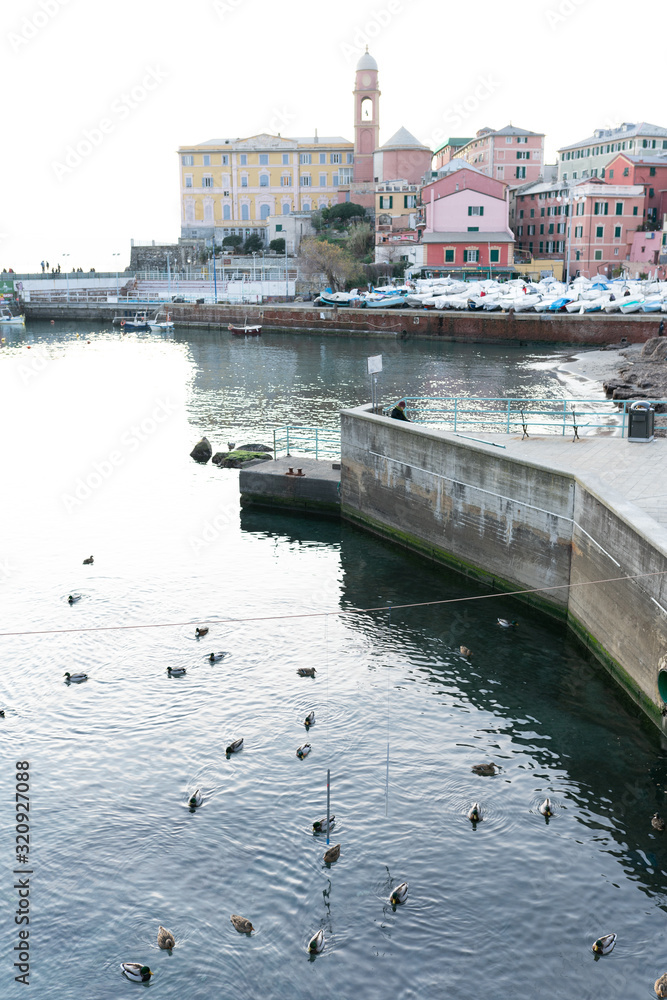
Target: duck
(604,944)
(309,720)
(165,939)
(465,651)
(485,769)
(89,561)
(214,657)
(199,632)
(399,894)
(75,678)
(546,809)
(73,598)
(242,925)
(506,623)
(306,671)
(303,750)
(316,943)
(195,799)
(320,825)
(660,986)
(657,822)
(137,973)
(2,713)
(332,854)
(475,813)
(235,746)
(176,671)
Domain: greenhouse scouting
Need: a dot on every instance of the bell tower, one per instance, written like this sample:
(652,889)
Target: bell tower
(366,118)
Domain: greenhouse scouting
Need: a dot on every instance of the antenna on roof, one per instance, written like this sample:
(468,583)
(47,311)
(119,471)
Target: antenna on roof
(316,139)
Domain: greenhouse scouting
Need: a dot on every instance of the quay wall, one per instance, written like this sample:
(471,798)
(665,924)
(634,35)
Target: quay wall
(403,324)
(513,525)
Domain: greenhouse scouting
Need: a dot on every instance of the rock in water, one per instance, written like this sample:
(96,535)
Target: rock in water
(219,458)
(202,451)
(254,447)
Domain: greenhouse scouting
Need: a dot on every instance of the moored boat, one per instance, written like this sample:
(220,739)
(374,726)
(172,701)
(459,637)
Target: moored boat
(8,319)
(246,330)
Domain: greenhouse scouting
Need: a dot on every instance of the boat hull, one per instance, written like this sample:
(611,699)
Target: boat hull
(244,331)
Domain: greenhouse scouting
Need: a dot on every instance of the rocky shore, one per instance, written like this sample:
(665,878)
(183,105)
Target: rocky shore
(635,371)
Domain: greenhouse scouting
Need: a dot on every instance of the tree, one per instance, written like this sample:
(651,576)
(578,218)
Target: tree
(344,212)
(320,257)
(277,245)
(253,244)
(361,240)
(232,241)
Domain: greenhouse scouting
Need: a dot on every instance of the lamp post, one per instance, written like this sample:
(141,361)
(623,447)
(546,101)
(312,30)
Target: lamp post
(168,276)
(66,274)
(569,202)
(116,262)
(286,277)
(215,280)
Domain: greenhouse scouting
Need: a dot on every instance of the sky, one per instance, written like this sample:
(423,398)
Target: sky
(98,97)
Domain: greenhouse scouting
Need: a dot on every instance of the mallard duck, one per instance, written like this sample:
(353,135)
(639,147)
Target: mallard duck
(485,769)
(235,746)
(657,822)
(75,678)
(242,925)
(660,986)
(399,894)
(199,632)
(195,799)
(506,623)
(89,561)
(73,598)
(604,944)
(316,943)
(165,939)
(214,657)
(306,671)
(475,813)
(546,809)
(308,721)
(176,671)
(137,973)
(465,651)
(332,854)
(2,713)
(320,825)
(303,750)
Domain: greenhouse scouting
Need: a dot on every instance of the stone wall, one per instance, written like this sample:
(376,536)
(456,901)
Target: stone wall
(154,258)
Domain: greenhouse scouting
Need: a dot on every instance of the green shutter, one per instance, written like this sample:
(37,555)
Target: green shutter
(481,211)
(469,209)
(606,208)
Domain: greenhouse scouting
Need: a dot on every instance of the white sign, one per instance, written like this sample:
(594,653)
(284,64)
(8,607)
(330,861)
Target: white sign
(375,364)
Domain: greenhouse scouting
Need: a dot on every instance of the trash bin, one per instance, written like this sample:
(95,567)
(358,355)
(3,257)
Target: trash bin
(641,419)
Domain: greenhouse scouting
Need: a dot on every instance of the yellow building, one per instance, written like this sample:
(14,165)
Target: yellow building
(230,187)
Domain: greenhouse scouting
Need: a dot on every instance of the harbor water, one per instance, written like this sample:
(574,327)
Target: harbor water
(97,430)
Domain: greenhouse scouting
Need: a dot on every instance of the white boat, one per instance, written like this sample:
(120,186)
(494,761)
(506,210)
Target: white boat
(340,298)
(374,301)
(652,304)
(630,305)
(7,319)
(161,324)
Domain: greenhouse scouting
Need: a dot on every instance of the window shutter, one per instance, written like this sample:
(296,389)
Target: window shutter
(469,209)
(391,201)
(481,211)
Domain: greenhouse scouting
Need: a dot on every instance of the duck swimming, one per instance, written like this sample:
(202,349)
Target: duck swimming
(660,986)
(242,925)
(308,721)
(235,746)
(199,632)
(176,671)
(316,943)
(306,671)
(506,623)
(214,657)
(303,750)
(657,822)
(165,939)
(475,813)
(89,561)
(465,651)
(75,678)
(546,809)
(137,973)
(320,825)
(604,944)
(485,769)
(399,894)
(332,854)
(195,799)
(73,598)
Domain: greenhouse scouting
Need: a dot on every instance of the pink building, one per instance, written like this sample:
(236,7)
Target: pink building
(604,218)
(448,151)
(401,156)
(645,253)
(649,170)
(511,154)
(465,221)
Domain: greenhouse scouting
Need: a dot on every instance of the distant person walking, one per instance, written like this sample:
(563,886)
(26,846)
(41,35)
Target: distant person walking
(398,413)
(42,263)
(661,328)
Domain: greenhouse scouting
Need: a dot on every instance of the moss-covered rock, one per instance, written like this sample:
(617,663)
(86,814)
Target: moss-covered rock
(235,459)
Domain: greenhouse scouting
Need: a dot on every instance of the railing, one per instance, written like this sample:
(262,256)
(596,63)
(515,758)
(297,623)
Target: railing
(321,442)
(509,416)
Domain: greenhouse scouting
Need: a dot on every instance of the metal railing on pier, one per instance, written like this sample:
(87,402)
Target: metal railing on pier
(526,416)
(318,442)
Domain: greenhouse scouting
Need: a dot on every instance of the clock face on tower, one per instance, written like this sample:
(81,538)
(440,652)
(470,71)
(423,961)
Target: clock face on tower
(366,79)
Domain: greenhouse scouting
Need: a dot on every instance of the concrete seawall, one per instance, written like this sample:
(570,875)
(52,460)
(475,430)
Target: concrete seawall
(519,519)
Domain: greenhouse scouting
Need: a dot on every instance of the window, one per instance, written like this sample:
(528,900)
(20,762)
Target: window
(560,246)
(304,158)
(475,229)
(616,251)
(350,158)
(542,230)
(530,231)
(335,158)
(285,159)
(580,208)
(475,210)
(264,180)
(207,181)
(522,154)
(244,181)
(306,206)
(519,231)
(449,256)
(611,174)
(599,232)
(560,228)
(225,159)
(305,180)
(564,177)
(323,157)
(323,180)
(651,172)
(532,213)
(541,247)
(245,213)
(285,181)
(243,160)
(263,159)
(279,228)
(206,160)
(409,201)
(520,172)
(188,180)
(617,232)
(521,214)
(494,256)
(551,246)
(471,256)
(597,255)
(264,211)
(550,229)
(226,212)
(601,208)
(285,209)
(522,138)
(651,193)
(578,231)
(541,213)
(187,161)
(386,201)
(635,210)
(334,180)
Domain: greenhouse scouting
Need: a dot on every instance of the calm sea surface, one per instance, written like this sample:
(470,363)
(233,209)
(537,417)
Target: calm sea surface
(96,434)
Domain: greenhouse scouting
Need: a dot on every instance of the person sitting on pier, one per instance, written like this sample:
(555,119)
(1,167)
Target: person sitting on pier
(398,413)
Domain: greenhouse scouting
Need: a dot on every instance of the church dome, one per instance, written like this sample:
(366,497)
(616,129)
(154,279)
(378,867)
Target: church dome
(367,61)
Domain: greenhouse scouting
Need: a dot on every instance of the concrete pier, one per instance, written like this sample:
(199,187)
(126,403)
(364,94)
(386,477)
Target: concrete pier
(271,484)
(531,514)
